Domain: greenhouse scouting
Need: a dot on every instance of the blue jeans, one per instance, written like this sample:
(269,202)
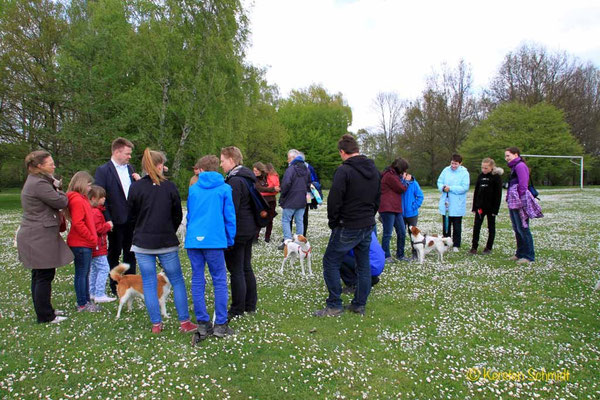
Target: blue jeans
(286,219)
(215,259)
(82,262)
(393,220)
(98,275)
(172,267)
(341,241)
(523,235)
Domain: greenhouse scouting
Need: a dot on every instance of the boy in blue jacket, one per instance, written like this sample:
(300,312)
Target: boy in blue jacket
(211,228)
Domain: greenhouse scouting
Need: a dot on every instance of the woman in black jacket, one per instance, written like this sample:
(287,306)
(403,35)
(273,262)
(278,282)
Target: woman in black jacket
(155,212)
(486,202)
(238,258)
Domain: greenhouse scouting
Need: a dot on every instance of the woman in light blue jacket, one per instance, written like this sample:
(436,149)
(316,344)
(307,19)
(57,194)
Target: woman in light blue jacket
(453,183)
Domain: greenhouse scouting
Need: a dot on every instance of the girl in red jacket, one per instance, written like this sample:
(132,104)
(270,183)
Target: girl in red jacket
(100,267)
(82,237)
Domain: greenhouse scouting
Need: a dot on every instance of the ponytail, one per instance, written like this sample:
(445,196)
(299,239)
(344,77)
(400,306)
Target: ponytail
(150,160)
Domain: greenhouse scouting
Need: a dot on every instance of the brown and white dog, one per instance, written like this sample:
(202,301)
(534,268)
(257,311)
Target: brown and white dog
(130,286)
(298,248)
(423,244)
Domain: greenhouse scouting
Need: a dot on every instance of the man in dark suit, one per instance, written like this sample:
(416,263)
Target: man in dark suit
(115,177)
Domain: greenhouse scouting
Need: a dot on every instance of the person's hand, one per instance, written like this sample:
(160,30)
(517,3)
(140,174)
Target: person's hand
(277,189)
(111,225)
(165,168)
(136,176)
(446,188)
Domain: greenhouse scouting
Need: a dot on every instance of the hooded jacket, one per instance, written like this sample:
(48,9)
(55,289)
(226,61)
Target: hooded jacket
(211,213)
(412,198)
(458,180)
(102,229)
(392,189)
(155,212)
(355,194)
(488,192)
(83,229)
(244,214)
(295,185)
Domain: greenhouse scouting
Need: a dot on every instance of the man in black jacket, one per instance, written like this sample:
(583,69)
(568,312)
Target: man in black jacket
(351,206)
(115,177)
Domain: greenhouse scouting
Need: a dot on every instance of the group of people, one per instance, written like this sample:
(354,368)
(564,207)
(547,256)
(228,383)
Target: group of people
(122,214)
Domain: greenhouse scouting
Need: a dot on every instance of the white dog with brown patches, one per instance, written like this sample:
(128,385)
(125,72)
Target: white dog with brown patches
(130,286)
(298,248)
(423,244)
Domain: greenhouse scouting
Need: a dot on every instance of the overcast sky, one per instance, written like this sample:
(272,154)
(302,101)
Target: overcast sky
(362,47)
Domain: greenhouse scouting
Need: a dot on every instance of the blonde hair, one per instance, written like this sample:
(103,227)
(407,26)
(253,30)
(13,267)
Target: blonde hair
(489,161)
(35,158)
(234,153)
(79,182)
(150,160)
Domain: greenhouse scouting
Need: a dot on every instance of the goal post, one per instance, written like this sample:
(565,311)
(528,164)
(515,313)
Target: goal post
(569,157)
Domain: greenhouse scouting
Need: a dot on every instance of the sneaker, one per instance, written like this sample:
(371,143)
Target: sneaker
(81,308)
(281,246)
(59,313)
(187,326)
(328,312)
(157,328)
(513,258)
(267,240)
(389,260)
(205,329)
(473,252)
(104,299)
(455,249)
(92,307)
(355,309)
(349,289)
(58,319)
(404,258)
(523,261)
(486,251)
(92,298)
(222,330)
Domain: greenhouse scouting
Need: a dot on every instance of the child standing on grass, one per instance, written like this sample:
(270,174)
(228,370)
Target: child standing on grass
(412,199)
(99,268)
(486,203)
(82,237)
(211,228)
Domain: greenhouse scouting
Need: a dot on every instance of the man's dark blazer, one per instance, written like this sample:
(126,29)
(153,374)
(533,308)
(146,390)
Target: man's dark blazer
(116,204)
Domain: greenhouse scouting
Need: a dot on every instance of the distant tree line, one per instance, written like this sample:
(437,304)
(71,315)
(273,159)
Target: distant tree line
(173,75)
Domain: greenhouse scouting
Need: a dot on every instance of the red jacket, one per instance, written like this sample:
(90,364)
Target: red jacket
(272,182)
(391,192)
(83,230)
(102,228)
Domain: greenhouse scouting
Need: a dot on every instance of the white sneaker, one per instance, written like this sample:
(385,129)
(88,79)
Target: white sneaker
(58,319)
(455,249)
(92,298)
(105,299)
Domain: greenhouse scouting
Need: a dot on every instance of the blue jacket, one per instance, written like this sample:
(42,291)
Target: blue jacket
(295,185)
(459,186)
(211,213)
(376,256)
(412,198)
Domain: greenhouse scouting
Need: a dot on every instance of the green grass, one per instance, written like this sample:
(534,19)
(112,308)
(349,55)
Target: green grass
(426,325)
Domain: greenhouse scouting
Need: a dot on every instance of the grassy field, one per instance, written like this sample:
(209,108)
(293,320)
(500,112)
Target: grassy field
(473,327)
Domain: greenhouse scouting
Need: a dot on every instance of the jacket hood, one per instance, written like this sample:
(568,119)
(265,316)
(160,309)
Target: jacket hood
(459,169)
(365,166)
(497,171)
(242,171)
(300,167)
(514,162)
(210,179)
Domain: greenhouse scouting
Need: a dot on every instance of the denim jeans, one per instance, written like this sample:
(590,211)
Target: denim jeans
(82,262)
(286,219)
(215,259)
(393,220)
(172,267)
(523,235)
(341,241)
(98,276)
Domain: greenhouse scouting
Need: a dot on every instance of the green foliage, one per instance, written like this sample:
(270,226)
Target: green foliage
(315,120)
(540,129)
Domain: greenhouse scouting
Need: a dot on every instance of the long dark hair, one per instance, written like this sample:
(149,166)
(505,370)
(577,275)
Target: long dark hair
(399,165)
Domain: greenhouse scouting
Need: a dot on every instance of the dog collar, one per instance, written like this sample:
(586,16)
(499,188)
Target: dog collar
(306,252)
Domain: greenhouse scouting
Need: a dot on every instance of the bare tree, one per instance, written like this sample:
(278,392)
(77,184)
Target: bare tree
(391,109)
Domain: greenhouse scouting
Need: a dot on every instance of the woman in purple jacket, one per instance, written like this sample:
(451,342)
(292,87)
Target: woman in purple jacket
(518,199)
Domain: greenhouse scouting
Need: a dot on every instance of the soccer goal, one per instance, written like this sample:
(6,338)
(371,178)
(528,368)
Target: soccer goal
(571,158)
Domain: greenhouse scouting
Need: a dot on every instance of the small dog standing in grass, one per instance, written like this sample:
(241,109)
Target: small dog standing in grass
(424,244)
(298,248)
(130,286)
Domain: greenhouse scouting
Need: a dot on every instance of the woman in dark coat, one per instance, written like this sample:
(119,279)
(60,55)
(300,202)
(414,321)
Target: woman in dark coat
(40,246)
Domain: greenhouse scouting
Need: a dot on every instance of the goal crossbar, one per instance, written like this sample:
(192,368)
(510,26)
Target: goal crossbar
(569,157)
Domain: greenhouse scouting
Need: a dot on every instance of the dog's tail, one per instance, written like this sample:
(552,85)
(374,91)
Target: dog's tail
(117,272)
